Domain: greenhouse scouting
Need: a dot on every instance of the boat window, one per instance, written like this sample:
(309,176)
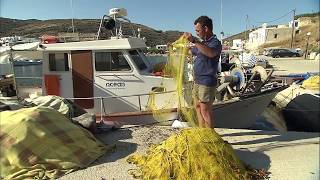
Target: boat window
(58,62)
(137,60)
(111,61)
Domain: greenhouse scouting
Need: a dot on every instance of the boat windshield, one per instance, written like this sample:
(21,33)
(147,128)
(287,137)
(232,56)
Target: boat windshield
(138,60)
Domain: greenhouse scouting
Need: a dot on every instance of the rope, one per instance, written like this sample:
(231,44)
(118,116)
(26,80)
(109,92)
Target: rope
(274,19)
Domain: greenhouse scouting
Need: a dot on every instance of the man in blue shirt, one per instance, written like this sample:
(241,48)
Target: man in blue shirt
(207,53)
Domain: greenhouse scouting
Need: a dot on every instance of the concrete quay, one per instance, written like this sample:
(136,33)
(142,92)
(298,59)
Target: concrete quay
(288,155)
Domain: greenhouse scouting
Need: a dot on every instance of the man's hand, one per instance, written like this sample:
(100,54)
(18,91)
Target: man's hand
(188,36)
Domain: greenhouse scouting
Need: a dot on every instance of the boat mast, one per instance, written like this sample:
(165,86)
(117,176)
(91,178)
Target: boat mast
(72,12)
(221,26)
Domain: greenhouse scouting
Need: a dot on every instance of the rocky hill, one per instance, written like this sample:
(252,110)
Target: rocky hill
(33,28)
(88,28)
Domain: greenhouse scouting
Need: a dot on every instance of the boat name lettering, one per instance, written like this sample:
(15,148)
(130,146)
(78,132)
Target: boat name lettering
(116,84)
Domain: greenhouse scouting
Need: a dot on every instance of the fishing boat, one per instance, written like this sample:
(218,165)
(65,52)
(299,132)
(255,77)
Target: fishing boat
(299,103)
(114,80)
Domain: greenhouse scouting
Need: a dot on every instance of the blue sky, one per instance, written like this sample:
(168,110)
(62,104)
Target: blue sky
(164,14)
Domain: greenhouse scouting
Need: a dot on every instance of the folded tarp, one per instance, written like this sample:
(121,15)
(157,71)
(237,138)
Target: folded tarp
(312,83)
(55,102)
(20,52)
(41,143)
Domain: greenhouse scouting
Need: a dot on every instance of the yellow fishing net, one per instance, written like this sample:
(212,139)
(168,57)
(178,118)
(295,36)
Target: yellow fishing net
(312,83)
(175,68)
(195,153)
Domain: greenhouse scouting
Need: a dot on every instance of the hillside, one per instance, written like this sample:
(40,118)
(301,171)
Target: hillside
(34,28)
(299,39)
(88,28)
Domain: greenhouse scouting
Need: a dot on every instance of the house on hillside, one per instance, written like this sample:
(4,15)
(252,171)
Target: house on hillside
(161,47)
(237,44)
(12,40)
(268,35)
(303,21)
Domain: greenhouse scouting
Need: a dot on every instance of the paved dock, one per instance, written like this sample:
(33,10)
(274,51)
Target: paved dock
(289,155)
(298,65)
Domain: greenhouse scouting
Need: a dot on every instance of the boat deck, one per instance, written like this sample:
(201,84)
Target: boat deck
(25,92)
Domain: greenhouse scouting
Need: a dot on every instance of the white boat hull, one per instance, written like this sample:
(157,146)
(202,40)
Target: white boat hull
(240,113)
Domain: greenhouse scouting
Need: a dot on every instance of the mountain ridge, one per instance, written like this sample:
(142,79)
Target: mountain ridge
(34,28)
(88,27)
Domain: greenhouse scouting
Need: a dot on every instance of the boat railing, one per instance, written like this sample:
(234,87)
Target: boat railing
(102,105)
(28,77)
(28,81)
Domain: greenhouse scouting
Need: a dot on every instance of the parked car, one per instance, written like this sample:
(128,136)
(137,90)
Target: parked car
(267,51)
(277,53)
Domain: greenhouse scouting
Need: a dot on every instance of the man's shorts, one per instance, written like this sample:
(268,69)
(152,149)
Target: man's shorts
(204,93)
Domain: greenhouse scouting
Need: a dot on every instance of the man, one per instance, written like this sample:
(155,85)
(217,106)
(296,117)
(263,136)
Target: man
(207,53)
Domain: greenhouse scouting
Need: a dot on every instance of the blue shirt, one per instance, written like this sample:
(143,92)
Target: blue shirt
(205,68)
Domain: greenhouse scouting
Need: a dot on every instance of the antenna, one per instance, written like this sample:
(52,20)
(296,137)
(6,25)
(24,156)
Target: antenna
(118,16)
(71,2)
(293,26)
(247,25)
(221,34)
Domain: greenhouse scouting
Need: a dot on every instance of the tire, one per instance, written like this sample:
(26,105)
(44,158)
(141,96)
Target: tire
(277,56)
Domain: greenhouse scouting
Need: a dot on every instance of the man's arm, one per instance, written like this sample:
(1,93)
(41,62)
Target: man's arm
(206,50)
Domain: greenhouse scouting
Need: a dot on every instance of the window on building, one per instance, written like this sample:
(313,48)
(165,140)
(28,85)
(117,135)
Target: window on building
(297,31)
(275,36)
(111,61)
(58,62)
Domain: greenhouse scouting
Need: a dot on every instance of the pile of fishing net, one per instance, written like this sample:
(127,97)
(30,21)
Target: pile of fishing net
(312,83)
(195,153)
(41,143)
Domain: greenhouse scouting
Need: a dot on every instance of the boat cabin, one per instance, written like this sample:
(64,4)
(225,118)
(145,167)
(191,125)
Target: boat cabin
(110,75)
(94,73)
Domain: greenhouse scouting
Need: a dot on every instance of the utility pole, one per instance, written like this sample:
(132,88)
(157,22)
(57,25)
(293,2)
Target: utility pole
(247,20)
(306,53)
(221,33)
(293,27)
(71,2)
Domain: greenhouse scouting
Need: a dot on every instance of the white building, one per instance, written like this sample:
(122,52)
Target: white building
(268,35)
(237,44)
(10,39)
(161,47)
(6,41)
(296,24)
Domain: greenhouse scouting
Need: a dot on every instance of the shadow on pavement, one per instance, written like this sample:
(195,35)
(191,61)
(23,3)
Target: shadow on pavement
(255,159)
(276,140)
(121,148)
